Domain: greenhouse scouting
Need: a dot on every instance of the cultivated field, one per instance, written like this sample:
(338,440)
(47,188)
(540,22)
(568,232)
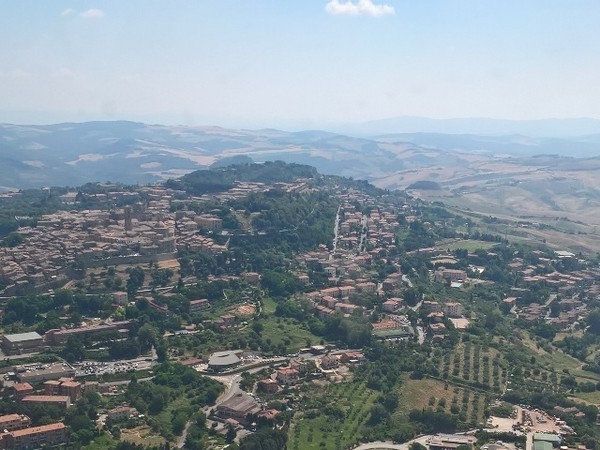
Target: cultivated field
(336,420)
(468,404)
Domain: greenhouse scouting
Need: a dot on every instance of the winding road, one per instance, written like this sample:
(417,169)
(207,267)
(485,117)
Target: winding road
(384,445)
(336,228)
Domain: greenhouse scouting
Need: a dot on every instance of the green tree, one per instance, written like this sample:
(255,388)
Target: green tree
(416,446)
(593,321)
(135,280)
(147,336)
(73,350)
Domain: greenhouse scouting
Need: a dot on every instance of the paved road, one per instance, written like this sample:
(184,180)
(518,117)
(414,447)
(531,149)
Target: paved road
(529,442)
(232,388)
(390,445)
(183,437)
(420,335)
(407,280)
(336,228)
(363,233)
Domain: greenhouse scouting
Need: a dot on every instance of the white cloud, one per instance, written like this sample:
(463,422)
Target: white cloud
(16,74)
(64,72)
(68,12)
(360,7)
(93,14)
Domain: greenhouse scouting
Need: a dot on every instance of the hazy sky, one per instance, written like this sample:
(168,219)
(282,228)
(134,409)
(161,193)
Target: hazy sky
(297,63)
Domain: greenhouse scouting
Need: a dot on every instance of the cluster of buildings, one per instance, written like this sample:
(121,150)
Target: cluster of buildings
(16,430)
(31,342)
(360,238)
(66,240)
(140,233)
(540,272)
(298,369)
(569,309)
(244,410)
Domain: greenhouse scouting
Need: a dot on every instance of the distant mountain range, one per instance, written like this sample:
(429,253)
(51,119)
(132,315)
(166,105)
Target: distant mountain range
(130,152)
(546,128)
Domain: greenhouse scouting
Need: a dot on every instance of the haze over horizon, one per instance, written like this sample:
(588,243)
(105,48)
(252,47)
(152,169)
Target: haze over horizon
(297,65)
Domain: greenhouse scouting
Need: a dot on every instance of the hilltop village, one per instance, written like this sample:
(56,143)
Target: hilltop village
(268,305)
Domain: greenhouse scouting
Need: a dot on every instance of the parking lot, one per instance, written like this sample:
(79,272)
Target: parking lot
(112,367)
(526,420)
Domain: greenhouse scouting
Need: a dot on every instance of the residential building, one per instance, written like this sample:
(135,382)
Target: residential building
(59,400)
(391,305)
(453,309)
(11,422)
(288,376)
(429,306)
(300,365)
(120,297)
(34,437)
(208,222)
(268,385)
(120,413)
(451,275)
(352,357)
(367,286)
(329,362)
(22,389)
(199,305)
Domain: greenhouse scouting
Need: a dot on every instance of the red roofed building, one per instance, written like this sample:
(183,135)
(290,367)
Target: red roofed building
(34,437)
(199,305)
(268,385)
(22,389)
(60,400)
(11,422)
(287,375)
(330,362)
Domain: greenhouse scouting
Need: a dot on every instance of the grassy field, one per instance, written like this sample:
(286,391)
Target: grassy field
(344,411)
(268,305)
(102,442)
(164,418)
(559,361)
(588,397)
(289,331)
(470,245)
(142,436)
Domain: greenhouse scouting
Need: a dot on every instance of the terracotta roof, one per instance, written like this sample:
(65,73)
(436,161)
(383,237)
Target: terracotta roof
(46,398)
(11,417)
(40,429)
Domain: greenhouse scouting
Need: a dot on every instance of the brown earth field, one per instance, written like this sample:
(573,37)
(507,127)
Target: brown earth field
(549,200)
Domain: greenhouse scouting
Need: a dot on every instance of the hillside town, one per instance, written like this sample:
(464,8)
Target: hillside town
(167,279)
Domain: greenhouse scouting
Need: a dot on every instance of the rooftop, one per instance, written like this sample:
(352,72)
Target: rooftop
(11,417)
(548,437)
(46,398)
(40,429)
(227,358)
(22,337)
(241,403)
